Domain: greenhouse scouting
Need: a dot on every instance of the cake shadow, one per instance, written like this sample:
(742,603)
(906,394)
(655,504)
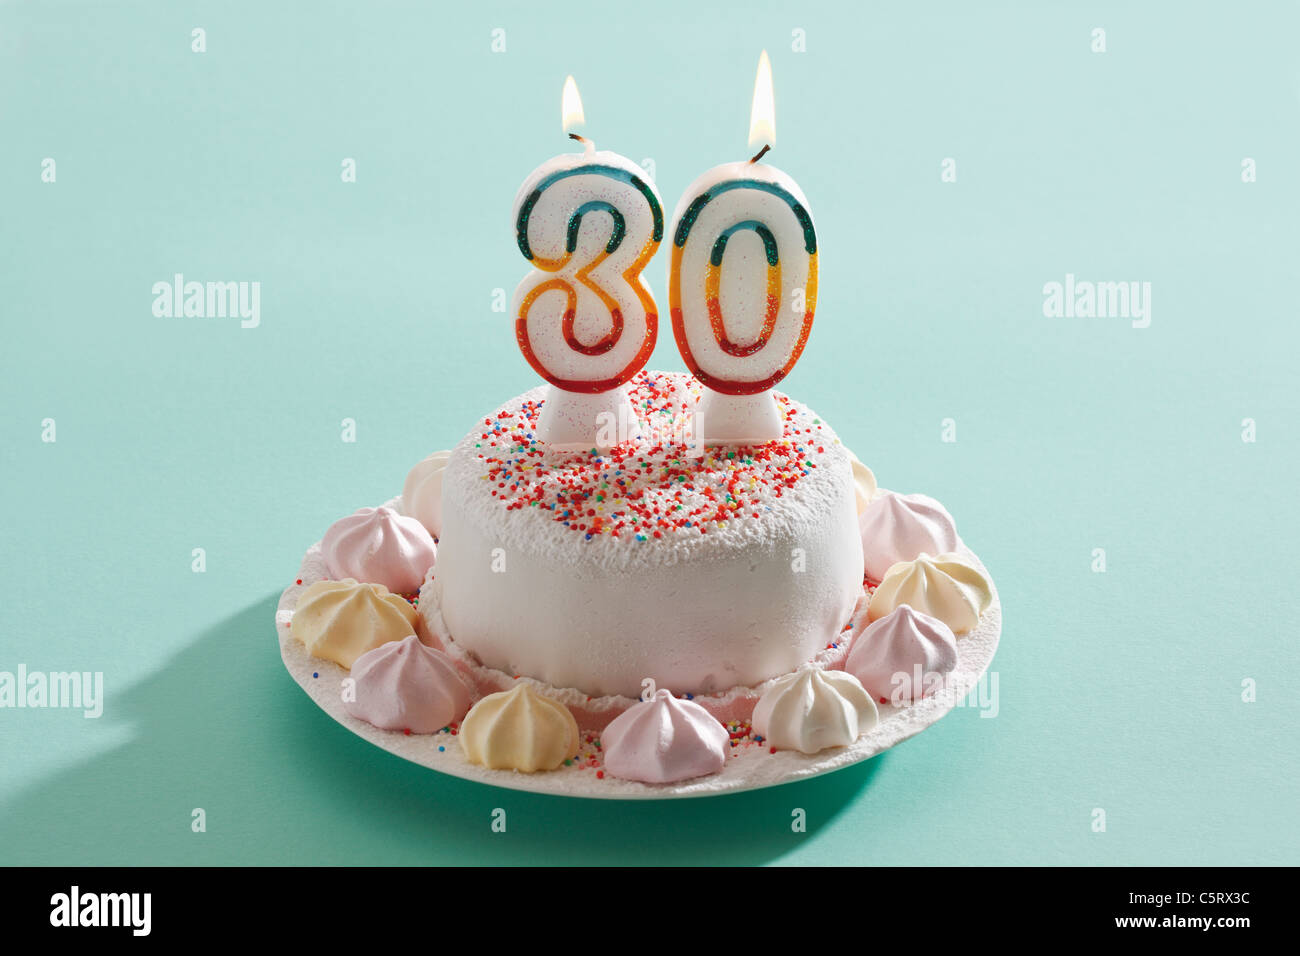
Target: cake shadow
(280,782)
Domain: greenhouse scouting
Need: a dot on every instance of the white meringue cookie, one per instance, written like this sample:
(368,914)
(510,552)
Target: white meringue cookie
(519,729)
(422,492)
(899,527)
(947,587)
(664,739)
(379,546)
(403,685)
(900,657)
(864,482)
(813,709)
(341,620)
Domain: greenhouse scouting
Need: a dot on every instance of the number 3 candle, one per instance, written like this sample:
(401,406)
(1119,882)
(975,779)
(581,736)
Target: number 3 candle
(584,317)
(742,284)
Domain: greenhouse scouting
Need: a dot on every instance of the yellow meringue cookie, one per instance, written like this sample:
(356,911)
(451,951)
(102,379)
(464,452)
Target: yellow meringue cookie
(864,482)
(422,492)
(519,729)
(341,620)
(946,586)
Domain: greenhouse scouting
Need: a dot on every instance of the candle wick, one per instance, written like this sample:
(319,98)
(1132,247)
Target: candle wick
(584,141)
(591,147)
(760,154)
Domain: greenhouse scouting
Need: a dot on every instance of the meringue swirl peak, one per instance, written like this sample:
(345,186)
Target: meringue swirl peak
(379,546)
(664,739)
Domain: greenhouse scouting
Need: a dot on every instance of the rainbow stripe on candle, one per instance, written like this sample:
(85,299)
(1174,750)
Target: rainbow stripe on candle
(713,283)
(596,169)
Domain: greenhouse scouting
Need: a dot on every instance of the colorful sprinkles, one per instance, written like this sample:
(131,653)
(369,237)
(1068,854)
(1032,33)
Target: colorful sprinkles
(741,734)
(651,487)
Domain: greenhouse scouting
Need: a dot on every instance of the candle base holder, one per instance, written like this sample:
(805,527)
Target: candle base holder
(722,419)
(579,421)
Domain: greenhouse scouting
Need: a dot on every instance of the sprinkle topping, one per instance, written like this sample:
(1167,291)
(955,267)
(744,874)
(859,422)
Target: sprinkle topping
(653,486)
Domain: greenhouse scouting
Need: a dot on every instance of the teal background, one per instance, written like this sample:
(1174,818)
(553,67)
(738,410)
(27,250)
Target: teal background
(1120,690)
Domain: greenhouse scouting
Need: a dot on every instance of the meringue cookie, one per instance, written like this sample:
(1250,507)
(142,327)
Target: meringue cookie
(947,587)
(519,729)
(403,685)
(899,527)
(813,709)
(864,481)
(379,546)
(899,657)
(664,739)
(341,620)
(422,493)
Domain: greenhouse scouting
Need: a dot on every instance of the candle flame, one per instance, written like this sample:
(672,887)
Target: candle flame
(762,114)
(571,106)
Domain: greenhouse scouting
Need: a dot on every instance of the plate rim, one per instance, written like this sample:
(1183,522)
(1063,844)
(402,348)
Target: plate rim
(898,725)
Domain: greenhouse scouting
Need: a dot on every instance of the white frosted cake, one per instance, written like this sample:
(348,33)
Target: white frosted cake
(596,570)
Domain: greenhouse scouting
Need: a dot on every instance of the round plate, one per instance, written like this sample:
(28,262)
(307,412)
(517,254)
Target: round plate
(749,766)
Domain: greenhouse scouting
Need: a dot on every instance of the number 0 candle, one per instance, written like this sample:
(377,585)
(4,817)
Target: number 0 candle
(742,284)
(584,317)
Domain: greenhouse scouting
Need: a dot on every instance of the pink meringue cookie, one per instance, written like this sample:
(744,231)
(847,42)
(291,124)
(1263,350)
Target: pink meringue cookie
(902,656)
(663,740)
(404,685)
(379,546)
(898,527)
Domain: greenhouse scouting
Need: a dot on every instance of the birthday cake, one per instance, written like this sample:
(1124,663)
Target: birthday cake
(645,574)
(646,609)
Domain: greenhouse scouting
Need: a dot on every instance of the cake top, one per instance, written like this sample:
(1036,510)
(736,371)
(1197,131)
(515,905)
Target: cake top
(656,488)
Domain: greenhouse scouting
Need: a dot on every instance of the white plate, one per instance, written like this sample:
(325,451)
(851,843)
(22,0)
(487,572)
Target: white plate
(748,768)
